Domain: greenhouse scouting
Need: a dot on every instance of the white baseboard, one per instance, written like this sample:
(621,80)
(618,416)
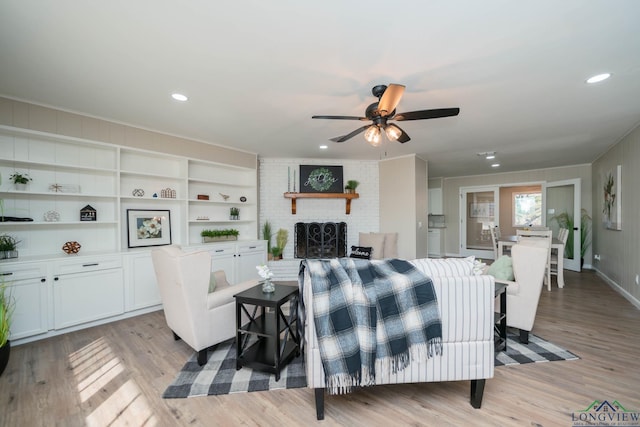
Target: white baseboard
(633,300)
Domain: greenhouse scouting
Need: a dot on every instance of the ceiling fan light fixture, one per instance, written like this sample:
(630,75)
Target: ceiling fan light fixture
(372,135)
(393,132)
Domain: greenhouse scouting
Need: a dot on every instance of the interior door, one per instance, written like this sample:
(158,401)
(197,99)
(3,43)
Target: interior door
(478,215)
(561,204)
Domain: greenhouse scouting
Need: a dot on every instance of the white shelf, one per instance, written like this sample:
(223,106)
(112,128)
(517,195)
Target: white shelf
(107,175)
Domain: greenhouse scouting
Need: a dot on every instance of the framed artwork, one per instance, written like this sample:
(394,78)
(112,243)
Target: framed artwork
(612,202)
(321,179)
(481,210)
(148,228)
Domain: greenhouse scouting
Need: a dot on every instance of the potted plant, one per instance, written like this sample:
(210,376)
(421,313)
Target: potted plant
(234,213)
(219,235)
(267,234)
(20,180)
(282,237)
(351,186)
(7,304)
(8,246)
(565,220)
(276,252)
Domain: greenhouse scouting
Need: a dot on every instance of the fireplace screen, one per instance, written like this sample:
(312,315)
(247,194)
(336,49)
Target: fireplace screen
(321,240)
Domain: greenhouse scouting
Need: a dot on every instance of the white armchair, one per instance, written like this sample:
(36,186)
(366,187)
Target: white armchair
(199,318)
(523,294)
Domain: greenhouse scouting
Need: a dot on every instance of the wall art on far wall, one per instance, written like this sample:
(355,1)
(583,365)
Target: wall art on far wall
(148,227)
(612,203)
(321,179)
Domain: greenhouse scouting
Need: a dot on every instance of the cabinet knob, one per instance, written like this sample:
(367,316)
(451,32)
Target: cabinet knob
(93,264)
(43,280)
(55,278)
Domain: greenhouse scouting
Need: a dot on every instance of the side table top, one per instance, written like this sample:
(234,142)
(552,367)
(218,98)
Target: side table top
(256,296)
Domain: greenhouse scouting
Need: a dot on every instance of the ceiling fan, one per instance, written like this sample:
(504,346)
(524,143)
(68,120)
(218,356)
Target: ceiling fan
(384,110)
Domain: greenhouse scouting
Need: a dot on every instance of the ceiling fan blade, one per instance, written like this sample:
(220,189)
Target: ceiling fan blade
(390,99)
(403,136)
(339,117)
(427,114)
(349,135)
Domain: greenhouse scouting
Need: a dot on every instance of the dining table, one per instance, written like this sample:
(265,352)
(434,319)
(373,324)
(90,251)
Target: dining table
(507,241)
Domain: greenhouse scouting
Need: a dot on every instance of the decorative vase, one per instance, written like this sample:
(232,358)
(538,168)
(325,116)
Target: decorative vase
(4,356)
(20,187)
(8,254)
(267,286)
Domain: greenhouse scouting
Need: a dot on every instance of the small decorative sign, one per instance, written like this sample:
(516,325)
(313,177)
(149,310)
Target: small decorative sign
(320,179)
(88,214)
(202,197)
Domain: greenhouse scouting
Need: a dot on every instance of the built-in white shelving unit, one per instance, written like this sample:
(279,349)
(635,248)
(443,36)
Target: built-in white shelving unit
(106,280)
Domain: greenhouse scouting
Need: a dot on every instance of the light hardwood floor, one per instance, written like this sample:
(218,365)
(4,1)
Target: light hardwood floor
(115,375)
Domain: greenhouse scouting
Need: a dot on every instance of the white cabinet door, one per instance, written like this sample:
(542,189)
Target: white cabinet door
(435,201)
(434,247)
(84,297)
(248,257)
(142,286)
(28,287)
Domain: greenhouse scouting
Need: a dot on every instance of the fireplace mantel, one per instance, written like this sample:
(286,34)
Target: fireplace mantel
(346,196)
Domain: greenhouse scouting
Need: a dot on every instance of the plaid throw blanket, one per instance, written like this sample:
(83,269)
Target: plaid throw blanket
(365,311)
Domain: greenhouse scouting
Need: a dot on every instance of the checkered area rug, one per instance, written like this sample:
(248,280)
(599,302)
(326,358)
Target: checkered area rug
(538,350)
(219,375)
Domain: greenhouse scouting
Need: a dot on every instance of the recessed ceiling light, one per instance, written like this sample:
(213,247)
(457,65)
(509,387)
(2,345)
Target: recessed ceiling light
(488,155)
(598,78)
(324,147)
(495,165)
(179,97)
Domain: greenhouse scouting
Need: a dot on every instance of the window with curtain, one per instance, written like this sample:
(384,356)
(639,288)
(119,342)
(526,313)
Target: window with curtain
(527,209)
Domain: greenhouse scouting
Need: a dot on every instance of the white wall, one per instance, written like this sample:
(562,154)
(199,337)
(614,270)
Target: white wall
(276,209)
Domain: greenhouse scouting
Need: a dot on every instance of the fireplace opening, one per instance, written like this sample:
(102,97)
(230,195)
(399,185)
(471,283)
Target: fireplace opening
(320,240)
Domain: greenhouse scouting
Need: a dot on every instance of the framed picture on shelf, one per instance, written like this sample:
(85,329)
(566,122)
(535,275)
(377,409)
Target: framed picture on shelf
(149,227)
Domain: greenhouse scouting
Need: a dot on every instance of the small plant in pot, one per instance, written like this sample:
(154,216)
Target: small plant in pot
(351,186)
(20,180)
(8,246)
(219,235)
(234,213)
(7,304)
(267,234)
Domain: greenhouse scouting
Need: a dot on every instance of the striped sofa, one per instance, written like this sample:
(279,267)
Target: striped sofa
(466,308)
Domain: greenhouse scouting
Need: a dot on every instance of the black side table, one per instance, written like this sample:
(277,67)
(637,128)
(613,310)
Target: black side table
(271,349)
(500,324)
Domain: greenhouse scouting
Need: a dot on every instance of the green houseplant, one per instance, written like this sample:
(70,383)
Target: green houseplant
(565,220)
(267,234)
(219,235)
(8,246)
(7,304)
(20,180)
(282,236)
(351,186)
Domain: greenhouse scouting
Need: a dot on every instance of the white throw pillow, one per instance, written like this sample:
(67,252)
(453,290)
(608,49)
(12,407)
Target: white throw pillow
(445,267)
(375,241)
(390,249)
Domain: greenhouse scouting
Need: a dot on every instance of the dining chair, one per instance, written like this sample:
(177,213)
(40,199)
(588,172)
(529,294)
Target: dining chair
(563,234)
(495,235)
(540,238)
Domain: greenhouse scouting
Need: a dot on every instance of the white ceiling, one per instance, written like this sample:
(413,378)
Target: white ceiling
(256,71)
